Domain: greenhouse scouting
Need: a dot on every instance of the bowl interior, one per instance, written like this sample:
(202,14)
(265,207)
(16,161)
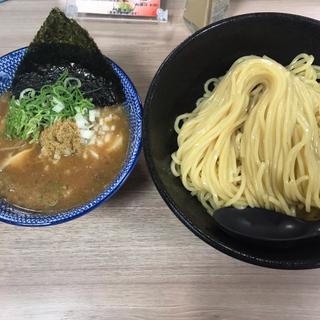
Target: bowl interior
(14,215)
(175,89)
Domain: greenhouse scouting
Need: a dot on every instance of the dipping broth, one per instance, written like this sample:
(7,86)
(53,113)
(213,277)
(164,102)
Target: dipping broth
(38,183)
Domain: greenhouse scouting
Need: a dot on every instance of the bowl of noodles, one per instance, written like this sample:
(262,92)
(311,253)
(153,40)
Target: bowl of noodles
(232,119)
(70,126)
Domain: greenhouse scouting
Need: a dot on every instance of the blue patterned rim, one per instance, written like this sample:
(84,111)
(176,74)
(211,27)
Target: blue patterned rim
(22,217)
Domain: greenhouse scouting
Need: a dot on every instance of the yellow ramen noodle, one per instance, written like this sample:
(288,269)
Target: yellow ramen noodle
(253,140)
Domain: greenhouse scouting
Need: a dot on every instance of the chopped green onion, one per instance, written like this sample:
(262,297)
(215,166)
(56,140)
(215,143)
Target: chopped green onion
(58,106)
(35,111)
(68,82)
(27,93)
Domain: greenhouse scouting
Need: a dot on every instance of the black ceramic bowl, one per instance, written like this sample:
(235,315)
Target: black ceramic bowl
(174,90)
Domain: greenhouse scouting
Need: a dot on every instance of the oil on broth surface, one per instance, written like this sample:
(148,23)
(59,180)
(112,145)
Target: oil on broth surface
(39,184)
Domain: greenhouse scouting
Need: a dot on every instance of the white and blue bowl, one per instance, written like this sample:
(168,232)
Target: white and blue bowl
(14,215)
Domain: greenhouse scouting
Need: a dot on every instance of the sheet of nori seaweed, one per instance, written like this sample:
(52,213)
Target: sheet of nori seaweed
(61,44)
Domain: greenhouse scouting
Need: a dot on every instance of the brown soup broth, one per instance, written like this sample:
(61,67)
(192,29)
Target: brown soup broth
(37,183)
